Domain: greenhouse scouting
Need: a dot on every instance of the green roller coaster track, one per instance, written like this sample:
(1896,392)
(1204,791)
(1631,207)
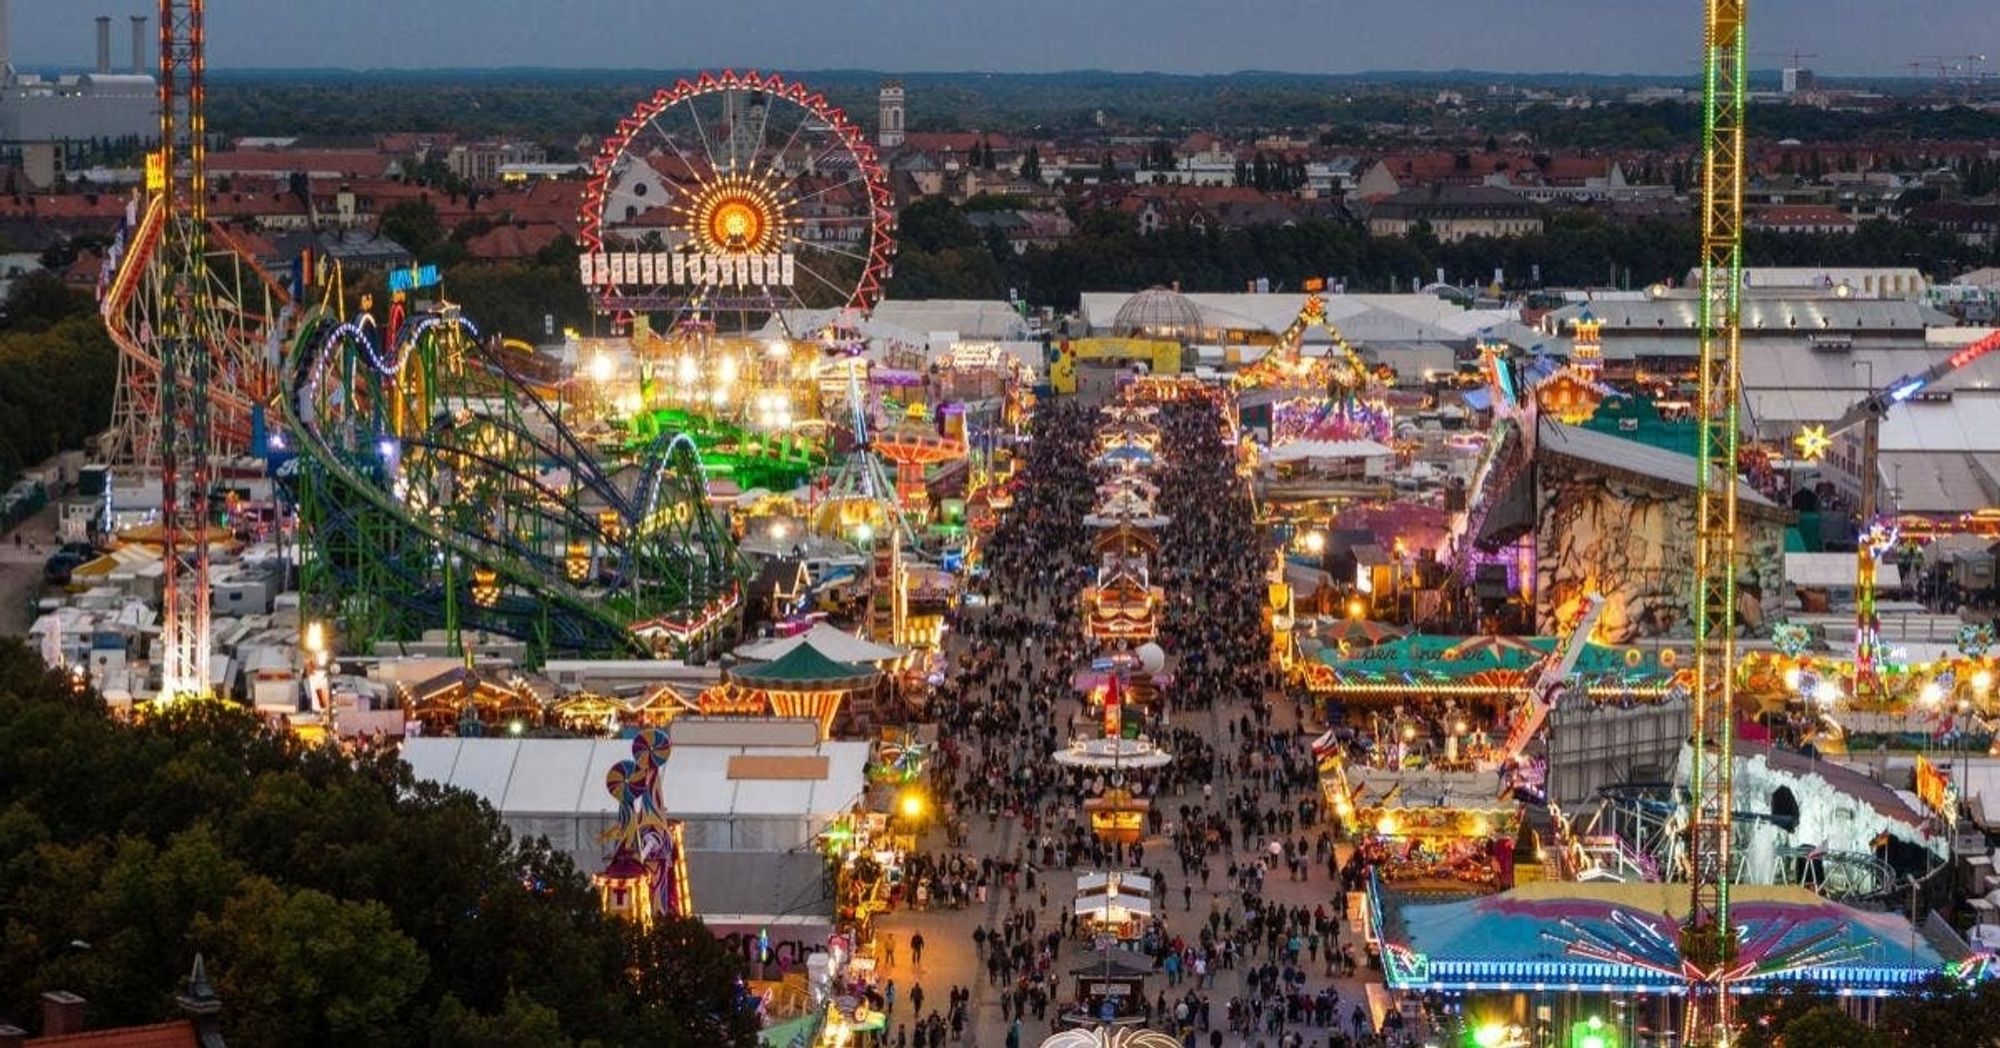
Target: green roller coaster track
(438,489)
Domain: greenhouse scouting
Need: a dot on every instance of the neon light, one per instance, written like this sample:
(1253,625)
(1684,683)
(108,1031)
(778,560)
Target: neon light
(413,278)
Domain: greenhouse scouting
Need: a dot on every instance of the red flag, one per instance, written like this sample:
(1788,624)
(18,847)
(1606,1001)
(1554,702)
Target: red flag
(1113,724)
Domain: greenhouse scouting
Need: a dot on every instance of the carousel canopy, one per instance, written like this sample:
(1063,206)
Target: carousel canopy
(1525,935)
(804,668)
(836,644)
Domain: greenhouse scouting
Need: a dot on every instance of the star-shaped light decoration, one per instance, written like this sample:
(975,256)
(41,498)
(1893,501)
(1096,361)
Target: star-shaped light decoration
(1813,443)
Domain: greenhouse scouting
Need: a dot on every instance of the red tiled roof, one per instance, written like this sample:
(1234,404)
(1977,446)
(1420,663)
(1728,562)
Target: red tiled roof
(64,206)
(955,141)
(84,271)
(510,242)
(177,1034)
(358,163)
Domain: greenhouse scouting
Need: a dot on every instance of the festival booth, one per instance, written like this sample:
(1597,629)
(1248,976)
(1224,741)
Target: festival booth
(654,706)
(1117,816)
(475,701)
(1109,990)
(1122,606)
(1115,904)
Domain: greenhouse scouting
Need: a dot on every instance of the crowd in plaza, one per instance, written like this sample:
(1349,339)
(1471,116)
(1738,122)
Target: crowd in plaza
(1246,941)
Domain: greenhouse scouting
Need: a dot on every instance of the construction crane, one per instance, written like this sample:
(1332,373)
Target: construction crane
(177,279)
(1708,944)
(1867,415)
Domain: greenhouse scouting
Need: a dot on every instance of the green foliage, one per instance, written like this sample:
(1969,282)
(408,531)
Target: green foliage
(933,224)
(1801,1016)
(306,968)
(1576,249)
(413,224)
(337,902)
(58,368)
(1944,1013)
(687,984)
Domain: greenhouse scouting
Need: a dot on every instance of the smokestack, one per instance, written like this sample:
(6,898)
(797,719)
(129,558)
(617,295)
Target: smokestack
(103,44)
(138,45)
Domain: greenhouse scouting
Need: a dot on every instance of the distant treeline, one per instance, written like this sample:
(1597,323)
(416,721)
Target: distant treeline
(557,106)
(944,256)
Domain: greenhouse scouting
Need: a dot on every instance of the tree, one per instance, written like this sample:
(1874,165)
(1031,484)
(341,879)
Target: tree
(1031,165)
(39,300)
(688,985)
(301,967)
(336,901)
(413,224)
(933,224)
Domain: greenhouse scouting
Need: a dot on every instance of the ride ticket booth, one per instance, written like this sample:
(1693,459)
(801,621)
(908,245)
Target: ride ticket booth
(1110,990)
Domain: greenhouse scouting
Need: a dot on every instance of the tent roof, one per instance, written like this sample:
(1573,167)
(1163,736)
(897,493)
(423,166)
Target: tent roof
(566,776)
(836,644)
(803,666)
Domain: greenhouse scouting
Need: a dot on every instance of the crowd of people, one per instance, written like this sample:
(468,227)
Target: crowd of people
(1236,811)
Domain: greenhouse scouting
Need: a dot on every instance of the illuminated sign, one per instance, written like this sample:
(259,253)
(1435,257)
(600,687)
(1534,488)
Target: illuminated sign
(1935,789)
(412,278)
(686,269)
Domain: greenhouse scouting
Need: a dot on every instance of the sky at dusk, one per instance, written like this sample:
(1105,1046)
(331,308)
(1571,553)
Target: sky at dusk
(1877,37)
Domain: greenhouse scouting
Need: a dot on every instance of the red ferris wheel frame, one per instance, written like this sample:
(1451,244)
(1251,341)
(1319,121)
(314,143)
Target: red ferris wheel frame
(881,239)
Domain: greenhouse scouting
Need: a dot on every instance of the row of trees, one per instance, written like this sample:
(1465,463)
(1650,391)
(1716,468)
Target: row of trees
(58,369)
(942,255)
(337,902)
(1942,1013)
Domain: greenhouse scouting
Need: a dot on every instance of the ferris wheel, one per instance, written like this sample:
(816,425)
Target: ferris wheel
(735,191)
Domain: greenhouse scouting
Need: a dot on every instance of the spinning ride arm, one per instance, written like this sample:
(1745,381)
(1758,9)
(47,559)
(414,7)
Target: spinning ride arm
(1867,414)
(1554,676)
(1878,403)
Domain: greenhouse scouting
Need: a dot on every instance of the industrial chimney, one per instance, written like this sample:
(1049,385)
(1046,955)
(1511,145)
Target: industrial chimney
(138,45)
(103,45)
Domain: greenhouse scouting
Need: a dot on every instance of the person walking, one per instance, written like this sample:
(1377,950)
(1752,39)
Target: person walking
(917,950)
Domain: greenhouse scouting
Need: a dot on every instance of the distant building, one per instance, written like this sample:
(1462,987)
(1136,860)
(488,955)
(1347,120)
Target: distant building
(74,114)
(481,163)
(1798,81)
(889,103)
(1800,218)
(1454,212)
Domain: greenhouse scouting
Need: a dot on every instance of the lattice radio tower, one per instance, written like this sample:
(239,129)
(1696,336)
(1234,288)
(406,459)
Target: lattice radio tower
(1708,942)
(178,280)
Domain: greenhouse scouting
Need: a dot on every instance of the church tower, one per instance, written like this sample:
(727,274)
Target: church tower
(889,134)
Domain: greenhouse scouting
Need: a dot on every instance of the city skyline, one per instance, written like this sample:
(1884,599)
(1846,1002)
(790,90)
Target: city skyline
(1875,38)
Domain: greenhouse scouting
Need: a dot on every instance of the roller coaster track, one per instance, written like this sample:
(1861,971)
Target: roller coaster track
(130,306)
(378,544)
(1655,852)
